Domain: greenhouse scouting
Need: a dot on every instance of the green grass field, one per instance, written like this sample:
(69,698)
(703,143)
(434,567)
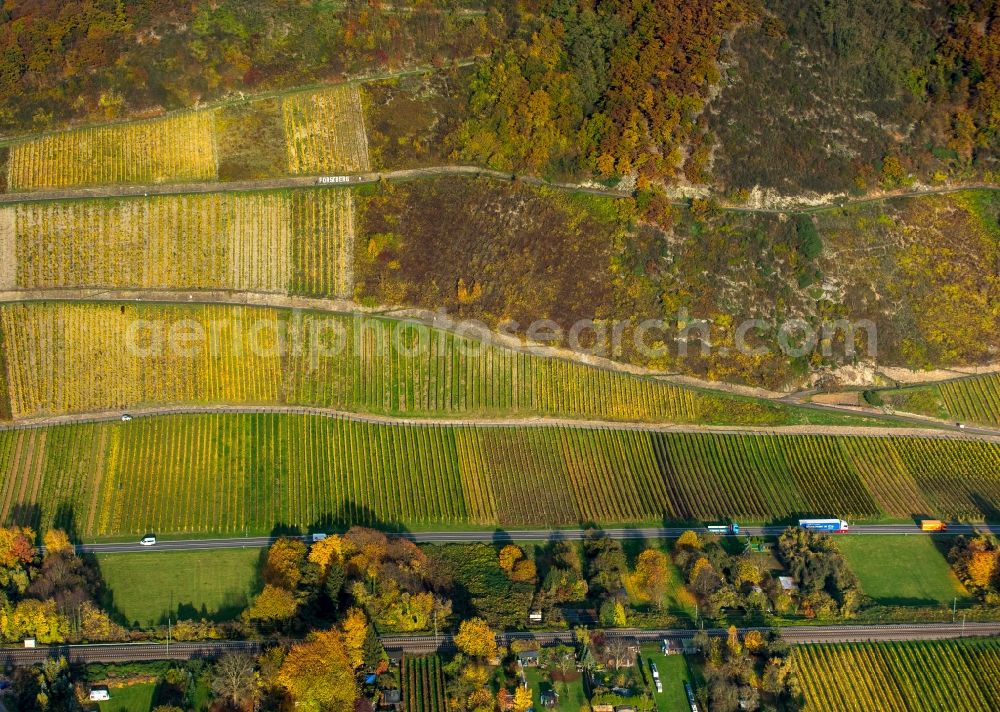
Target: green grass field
(673,671)
(135,698)
(902,570)
(191,585)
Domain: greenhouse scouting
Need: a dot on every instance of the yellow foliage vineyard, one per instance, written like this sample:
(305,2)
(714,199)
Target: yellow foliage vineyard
(75,357)
(176,148)
(260,355)
(276,241)
(903,677)
(8,250)
(325,131)
(976,400)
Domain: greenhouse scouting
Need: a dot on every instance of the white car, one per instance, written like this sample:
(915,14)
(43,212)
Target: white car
(318,536)
(126,417)
(148,540)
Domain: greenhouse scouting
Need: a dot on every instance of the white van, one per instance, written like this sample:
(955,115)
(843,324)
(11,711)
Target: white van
(318,536)
(148,540)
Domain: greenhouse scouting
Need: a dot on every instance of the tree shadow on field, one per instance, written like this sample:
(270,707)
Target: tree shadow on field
(987,506)
(25,514)
(350,514)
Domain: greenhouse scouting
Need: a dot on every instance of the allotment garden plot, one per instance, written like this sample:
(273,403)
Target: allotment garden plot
(237,474)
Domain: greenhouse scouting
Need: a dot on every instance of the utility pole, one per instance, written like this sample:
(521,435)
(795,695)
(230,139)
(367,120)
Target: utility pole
(168,621)
(954,607)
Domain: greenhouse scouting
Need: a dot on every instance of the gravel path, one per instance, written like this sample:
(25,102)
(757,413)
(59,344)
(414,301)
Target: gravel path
(534,421)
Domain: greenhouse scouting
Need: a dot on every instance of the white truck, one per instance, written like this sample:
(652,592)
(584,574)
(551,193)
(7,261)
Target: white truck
(834,526)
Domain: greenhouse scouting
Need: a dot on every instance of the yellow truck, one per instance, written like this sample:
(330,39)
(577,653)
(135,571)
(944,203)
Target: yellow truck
(932,525)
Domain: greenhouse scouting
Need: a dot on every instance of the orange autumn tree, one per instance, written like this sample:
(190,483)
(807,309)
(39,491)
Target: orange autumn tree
(981,567)
(283,567)
(56,541)
(16,546)
(652,575)
(326,552)
(317,674)
(271,606)
(476,639)
(355,629)
(977,562)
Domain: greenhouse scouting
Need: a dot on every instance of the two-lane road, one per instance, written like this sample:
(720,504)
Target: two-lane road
(504,535)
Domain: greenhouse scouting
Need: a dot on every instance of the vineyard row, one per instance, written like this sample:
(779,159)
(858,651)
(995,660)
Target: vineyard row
(276,241)
(901,677)
(245,474)
(144,354)
(324,132)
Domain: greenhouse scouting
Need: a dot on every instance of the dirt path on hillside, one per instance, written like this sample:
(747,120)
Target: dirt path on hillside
(480,422)
(239,98)
(909,377)
(114,191)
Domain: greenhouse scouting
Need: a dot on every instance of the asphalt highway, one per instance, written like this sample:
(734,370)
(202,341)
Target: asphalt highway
(500,535)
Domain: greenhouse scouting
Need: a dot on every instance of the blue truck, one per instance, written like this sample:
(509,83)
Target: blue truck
(836,526)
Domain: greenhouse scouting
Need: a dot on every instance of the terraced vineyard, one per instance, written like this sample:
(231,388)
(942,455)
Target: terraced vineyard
(349,363)
(50,347)
(975,400)
(276,241)
(325,131)
(969,400)
(322,249)
(423,684)
(176,148)
(236,474)
(8,250)
(903,677)
(5,413)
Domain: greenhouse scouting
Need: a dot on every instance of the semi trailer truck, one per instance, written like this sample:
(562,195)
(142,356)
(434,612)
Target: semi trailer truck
(836,526)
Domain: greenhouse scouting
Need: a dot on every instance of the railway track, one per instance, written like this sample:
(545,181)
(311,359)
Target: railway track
(793,634)
(126,652)
(129,652)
